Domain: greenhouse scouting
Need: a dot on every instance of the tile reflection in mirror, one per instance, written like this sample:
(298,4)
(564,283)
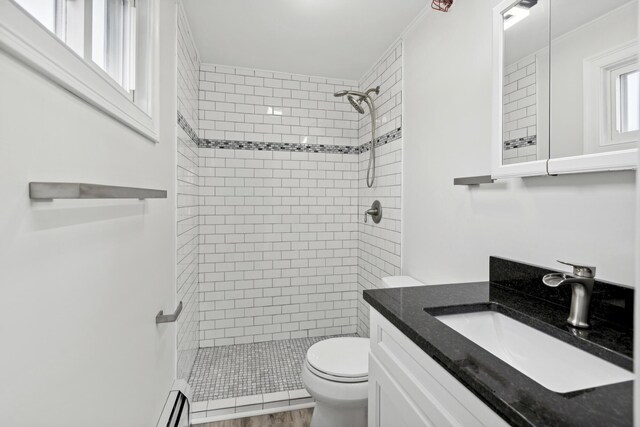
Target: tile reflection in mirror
(525,94)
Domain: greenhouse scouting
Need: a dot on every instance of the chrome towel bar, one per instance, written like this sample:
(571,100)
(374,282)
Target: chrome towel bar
(75,190)
(168,318)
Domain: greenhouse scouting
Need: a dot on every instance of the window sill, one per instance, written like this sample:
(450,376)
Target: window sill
(25,39)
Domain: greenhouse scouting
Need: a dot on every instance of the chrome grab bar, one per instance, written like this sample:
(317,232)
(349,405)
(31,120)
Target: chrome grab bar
(168,318)
(76,190)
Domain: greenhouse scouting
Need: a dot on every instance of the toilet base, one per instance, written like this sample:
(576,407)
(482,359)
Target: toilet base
(332,416)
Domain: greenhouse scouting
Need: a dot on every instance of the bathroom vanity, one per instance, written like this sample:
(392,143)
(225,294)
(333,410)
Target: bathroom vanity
(499,353)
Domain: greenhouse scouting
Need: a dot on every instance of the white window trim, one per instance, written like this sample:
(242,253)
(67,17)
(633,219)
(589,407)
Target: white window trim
(27,40)
(600,97)
(615,92)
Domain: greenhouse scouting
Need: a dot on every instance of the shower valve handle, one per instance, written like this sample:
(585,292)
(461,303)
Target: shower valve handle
(372,212)
(375,211)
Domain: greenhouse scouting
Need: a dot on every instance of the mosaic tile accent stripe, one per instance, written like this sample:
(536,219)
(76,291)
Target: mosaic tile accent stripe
(270,146)
(182,122)
(520,142)
(382,140)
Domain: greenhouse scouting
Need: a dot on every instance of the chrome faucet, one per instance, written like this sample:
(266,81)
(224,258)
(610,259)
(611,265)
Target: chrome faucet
(581,282)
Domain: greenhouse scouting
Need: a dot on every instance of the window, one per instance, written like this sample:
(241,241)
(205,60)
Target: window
(103,51)
(626,101)
(112,32)
(43,10)
(612,100)
(114,40)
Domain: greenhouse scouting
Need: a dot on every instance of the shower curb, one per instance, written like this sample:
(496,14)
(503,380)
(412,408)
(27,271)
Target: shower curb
(242,404)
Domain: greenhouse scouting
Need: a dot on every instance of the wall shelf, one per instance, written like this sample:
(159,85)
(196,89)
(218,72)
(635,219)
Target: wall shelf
(74,190)
(474,180)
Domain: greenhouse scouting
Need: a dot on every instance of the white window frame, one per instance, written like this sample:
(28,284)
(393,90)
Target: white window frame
(601,73)
(126,57)
(618,96)
(24,38)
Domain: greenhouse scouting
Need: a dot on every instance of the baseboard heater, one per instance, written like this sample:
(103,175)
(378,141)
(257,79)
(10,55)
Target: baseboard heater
(177,409)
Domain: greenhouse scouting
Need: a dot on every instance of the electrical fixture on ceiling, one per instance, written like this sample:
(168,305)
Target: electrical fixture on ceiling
(441,5)
(518,12)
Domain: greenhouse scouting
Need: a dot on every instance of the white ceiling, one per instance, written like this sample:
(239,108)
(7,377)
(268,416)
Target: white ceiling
(331,38)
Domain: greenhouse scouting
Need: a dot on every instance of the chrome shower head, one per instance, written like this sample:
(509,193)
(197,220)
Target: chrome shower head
(356,104)
(355,99)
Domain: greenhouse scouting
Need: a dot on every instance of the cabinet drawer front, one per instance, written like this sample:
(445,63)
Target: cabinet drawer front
(431,387)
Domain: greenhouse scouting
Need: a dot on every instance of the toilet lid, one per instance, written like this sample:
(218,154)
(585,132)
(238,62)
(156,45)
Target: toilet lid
(344,357)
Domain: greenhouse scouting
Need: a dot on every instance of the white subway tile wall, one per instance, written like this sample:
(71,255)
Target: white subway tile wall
(283,253)
(187,227)
(278,245)
(520,109)
(379,244)
(242,104)
(386,73)
(188,69)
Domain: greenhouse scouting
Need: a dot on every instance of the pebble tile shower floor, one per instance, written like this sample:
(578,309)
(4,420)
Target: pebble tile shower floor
(249,369)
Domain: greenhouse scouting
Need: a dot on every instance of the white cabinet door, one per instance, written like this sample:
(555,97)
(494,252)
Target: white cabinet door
(407,387)
(389,405)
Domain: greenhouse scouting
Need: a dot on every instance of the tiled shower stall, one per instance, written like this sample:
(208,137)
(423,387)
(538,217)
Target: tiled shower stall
(278,246)
(272,243)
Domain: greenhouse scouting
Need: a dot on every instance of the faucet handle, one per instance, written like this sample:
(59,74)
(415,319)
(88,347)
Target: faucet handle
(585,271)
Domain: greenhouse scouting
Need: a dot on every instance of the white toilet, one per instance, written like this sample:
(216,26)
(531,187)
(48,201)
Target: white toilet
(336,374)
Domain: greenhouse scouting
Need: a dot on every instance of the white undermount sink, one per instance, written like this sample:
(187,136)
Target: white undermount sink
(550,362)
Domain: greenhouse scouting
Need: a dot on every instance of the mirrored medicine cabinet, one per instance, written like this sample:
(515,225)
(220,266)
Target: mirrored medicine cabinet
(566,87)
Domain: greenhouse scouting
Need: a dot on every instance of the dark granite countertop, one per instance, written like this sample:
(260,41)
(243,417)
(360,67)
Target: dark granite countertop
(517,398)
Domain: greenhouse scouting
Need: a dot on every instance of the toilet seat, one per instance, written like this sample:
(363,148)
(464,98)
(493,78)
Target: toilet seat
(335,378)
(343,360)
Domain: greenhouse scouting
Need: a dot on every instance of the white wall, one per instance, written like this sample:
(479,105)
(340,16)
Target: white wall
(83,280)
(450,232)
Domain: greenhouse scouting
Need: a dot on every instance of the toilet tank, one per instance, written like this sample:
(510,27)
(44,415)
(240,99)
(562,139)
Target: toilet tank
(400,282)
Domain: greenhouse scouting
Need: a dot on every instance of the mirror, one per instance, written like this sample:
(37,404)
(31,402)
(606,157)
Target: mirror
(525,81)
(566,87)
(595,83)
